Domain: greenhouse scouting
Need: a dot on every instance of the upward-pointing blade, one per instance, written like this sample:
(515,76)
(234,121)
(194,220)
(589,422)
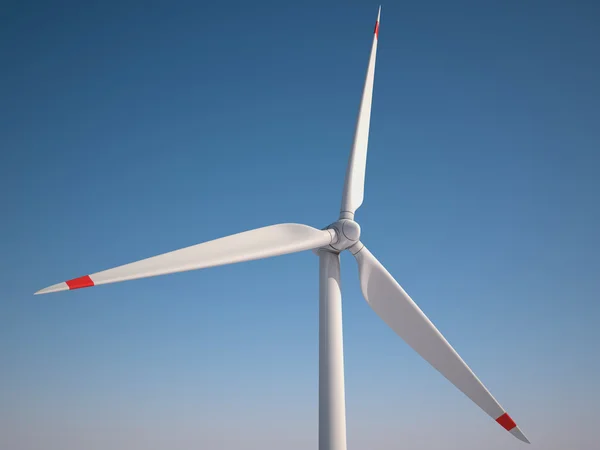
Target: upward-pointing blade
(263,242)
(354,185)
(401,313)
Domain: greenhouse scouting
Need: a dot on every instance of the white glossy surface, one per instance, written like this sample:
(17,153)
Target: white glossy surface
(347,233)
(332,404)
(401,313)
(354,184)
(263,242)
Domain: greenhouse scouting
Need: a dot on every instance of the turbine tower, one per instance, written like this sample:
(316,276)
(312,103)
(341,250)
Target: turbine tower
(381,291)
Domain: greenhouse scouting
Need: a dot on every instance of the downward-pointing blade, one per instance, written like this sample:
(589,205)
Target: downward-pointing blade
(401,313)
(354,184)
(263,242)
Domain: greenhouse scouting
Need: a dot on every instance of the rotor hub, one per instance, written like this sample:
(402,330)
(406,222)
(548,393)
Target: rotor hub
(347,234)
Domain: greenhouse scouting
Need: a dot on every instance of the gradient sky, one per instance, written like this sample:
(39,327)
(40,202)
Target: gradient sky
(132,129)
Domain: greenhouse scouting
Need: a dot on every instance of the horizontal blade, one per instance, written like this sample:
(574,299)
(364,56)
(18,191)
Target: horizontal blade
(263,242)
(354,184)
(400,312)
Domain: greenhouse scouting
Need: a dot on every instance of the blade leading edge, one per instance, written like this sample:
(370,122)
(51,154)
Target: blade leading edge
(354,184)
(392,304)
(260,243)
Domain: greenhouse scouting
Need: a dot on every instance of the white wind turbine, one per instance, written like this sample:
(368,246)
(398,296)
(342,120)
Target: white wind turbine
(379,288)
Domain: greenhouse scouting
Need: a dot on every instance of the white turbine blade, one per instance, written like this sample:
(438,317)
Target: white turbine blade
(354,185)
(263,242)
(401,313)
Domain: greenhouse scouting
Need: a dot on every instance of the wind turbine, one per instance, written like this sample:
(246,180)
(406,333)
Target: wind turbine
(380,289)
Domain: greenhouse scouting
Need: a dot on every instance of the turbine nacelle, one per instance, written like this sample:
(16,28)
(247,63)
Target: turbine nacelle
(347,234)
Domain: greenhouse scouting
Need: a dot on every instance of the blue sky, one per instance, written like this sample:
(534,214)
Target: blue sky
(128,130)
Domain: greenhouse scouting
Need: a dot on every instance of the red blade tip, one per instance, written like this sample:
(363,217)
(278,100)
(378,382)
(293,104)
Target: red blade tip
(81,282)
(506,421)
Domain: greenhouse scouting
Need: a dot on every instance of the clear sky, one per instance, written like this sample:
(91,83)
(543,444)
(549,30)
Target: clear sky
(128,130)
